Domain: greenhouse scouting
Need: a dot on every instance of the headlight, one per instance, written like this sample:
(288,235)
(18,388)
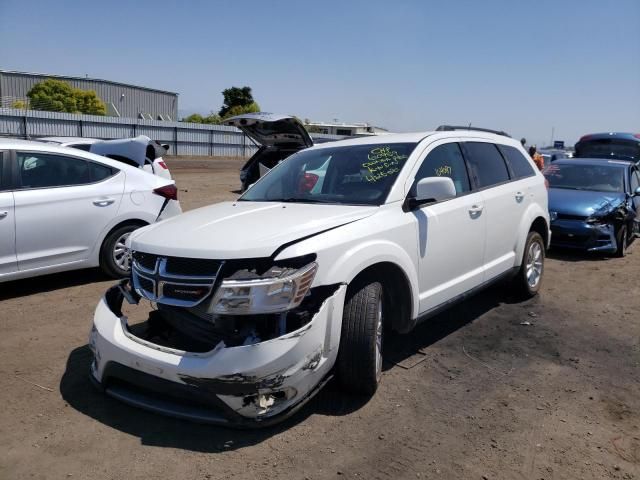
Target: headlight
(276,291)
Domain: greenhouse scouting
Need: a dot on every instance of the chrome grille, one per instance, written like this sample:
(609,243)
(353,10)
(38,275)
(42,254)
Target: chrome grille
(182,282)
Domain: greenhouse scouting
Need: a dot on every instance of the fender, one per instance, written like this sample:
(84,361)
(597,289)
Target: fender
(533,211)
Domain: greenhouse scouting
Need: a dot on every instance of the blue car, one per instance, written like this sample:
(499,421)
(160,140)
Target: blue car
(612,146)
(594,204)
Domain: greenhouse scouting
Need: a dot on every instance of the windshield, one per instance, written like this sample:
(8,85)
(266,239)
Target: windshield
(352,175)
(608,148)
(603,178)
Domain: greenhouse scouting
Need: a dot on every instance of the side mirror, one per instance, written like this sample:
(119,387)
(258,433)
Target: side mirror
(432,189)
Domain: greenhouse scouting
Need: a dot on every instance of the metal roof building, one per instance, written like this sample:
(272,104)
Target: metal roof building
(122,100)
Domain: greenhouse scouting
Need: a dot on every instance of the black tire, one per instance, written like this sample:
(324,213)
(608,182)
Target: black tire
(622,240)
(359,364)
(108,263)
(525,283)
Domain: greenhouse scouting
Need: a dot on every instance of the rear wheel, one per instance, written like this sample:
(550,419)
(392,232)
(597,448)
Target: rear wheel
(529,277)
(359,362)
(622,239)
(114,257)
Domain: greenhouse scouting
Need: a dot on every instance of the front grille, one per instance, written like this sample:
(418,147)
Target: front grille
(566,216)
(183,282)
(192,266)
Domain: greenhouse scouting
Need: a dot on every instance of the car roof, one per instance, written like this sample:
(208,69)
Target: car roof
(69,140)
(616,135)
(417,137)
(593,161)
(35,146)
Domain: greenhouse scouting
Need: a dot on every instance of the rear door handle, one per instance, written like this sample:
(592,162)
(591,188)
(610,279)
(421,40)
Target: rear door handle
(104,202)
(3,214)
(476,209)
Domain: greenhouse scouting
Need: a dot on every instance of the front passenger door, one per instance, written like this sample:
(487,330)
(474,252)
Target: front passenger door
(8,261)
(451,233)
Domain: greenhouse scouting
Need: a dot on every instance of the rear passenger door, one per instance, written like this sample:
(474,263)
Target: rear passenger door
(8,262)
(504,204)
(451,233)
(62,204)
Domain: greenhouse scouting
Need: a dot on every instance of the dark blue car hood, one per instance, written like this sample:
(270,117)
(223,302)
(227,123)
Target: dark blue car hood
(582,202)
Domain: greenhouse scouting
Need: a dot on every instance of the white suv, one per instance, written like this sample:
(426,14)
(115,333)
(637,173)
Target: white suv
(259,302)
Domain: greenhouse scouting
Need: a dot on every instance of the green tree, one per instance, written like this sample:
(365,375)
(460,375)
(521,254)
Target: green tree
(21,104)
(237,101)
(211,119)
(53,95)
(87,101)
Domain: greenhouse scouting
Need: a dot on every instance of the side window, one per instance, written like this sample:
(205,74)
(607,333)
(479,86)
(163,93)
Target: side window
(635,180)
(445,161)
(486,164)
(520,165)
(38,170)
(100,172)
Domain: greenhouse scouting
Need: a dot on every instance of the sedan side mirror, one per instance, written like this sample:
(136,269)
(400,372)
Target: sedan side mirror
(432,189)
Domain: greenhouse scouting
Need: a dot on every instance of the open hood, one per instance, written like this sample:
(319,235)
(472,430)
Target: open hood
(136,150)
(271,129)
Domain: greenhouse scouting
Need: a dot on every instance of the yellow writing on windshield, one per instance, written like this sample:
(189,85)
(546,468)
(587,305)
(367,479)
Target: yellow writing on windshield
(443,170)
(382,162)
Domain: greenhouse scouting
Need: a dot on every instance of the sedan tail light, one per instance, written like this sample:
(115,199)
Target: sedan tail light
(162,164)
(168,191)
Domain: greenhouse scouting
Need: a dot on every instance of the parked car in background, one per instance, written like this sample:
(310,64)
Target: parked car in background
(612,145)
(551,155)
(63,209)
(278,136)
(594,204)
(141,151)
(262,300)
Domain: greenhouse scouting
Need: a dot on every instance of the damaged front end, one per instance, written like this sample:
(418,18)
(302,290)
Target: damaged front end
(242,343)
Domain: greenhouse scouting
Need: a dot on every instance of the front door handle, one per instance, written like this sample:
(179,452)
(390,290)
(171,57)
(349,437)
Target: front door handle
(3,214)
(104,202)
(519,196)
(475,210)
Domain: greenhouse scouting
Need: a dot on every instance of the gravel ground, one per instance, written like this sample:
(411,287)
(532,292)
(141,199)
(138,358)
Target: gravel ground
(495,389)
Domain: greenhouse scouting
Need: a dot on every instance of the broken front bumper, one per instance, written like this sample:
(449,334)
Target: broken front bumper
(252,385)
(581,235)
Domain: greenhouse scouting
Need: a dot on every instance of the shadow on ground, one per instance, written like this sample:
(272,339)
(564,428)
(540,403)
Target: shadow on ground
(157,430)
(49,283)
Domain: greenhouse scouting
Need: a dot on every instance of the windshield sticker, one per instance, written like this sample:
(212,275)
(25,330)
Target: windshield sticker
(382,162)
(443,170)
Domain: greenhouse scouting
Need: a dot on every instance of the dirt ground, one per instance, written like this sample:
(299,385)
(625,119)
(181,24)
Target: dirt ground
(495,389)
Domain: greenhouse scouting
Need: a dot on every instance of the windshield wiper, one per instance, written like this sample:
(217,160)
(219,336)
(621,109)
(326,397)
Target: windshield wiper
(301,200)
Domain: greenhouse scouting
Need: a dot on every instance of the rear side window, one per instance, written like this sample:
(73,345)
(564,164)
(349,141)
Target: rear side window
(43,170)
(519,164)
(486,164)
(100,172)
(445,161)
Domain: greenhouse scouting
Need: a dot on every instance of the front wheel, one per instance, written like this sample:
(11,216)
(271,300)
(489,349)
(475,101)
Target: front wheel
(359,364)
(529,277)
(622,240)
(114,257)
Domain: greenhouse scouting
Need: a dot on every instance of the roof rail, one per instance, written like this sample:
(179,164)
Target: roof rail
(450,128)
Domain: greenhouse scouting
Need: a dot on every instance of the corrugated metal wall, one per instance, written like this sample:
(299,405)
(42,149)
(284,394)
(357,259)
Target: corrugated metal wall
(183,138)
(129,100)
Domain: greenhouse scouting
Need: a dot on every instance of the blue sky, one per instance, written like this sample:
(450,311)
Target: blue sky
(520,66)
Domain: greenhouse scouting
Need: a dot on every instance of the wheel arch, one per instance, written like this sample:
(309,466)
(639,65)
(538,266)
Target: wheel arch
(397,291)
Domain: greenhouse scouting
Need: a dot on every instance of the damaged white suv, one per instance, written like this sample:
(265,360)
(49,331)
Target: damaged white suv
(255,304)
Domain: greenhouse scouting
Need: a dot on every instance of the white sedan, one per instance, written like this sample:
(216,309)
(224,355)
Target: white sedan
(64,209)
(141,151)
